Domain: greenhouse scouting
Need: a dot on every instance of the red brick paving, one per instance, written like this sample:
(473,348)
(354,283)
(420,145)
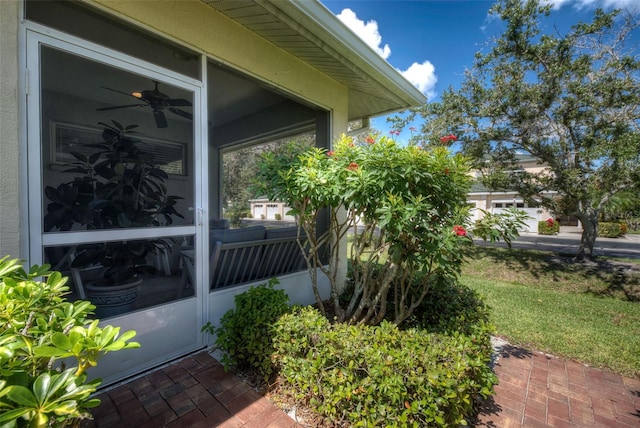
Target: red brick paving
(537,390)
(195,392)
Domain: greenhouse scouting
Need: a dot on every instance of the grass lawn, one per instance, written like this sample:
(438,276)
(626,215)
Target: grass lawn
(544,302)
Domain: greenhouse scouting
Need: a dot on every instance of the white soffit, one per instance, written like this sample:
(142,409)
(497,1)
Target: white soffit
(309,31)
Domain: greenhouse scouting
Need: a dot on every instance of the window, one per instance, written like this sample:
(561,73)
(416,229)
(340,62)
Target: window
(241,206)
(67,138)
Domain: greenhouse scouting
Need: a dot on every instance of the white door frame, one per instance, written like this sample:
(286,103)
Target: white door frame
(166,331)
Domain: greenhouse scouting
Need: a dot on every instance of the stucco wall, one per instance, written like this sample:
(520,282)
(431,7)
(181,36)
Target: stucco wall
(9,141)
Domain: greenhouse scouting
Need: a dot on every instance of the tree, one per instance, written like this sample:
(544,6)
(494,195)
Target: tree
(404,208)
(624,207)
(239,168)
(570,100)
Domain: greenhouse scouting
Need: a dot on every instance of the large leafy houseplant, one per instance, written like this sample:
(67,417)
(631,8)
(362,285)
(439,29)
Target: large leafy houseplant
(118,185)
(46,345)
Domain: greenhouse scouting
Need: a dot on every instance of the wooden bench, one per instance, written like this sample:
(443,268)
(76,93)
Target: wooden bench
(240,256)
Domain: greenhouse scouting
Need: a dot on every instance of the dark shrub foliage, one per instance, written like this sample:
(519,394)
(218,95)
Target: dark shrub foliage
(381,375)
(245,333)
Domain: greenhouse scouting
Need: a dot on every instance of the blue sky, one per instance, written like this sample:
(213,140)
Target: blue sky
(432,42)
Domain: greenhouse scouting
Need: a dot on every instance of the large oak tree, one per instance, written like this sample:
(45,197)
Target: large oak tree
(571,100)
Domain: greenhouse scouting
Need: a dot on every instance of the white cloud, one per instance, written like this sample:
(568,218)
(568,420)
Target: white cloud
(367,31)
(423,76)
(592,4)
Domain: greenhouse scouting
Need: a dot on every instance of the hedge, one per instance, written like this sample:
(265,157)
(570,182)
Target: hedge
(548,227)
(382,375)
(611,229)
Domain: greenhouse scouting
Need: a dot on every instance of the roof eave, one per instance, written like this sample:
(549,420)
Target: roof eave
(353,53)
(365,57)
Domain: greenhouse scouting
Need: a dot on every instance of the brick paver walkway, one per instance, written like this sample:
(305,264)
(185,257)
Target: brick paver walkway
(195,392)
(537,390)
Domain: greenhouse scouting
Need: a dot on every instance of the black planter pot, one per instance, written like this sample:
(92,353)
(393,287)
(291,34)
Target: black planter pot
(112,300)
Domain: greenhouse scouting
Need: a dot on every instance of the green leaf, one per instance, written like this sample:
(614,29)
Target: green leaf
(10,418)
(61,341)
(21,396)
(49,351)
(41,387)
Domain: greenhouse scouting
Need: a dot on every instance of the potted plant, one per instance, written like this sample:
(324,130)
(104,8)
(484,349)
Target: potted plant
(117,185)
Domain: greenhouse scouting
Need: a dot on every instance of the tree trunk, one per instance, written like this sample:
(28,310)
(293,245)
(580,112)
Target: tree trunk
(589,220)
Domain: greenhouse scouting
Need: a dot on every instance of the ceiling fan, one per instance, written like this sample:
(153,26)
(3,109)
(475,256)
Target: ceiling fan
(157,101)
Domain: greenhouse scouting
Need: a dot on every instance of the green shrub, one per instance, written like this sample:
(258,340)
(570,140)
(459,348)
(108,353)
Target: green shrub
(452,307)
(609,230)
(624,228)
(548,227)
(38,329)
(245,332)
(278,216)
(381,375)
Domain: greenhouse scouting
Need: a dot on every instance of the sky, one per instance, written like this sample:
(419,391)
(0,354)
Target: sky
(432,42)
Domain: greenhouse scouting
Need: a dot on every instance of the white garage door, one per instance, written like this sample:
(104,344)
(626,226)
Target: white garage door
(531,224)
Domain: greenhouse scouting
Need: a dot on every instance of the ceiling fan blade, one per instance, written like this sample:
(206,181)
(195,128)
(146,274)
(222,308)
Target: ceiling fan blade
(182,113)
(116,107)
(161,120)
(119,92)
(179,102)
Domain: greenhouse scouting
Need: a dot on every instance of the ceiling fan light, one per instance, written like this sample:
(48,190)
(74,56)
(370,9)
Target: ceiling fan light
(137,94)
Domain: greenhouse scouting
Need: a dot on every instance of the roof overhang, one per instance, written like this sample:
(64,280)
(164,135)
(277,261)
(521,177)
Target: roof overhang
(312,33)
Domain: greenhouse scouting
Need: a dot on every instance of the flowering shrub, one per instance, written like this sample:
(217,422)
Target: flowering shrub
(408,200)
(459,230)
(548,227)
(448,139)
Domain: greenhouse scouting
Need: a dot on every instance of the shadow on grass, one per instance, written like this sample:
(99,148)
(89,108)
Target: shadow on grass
(538,263)
(621,279)
(618,278)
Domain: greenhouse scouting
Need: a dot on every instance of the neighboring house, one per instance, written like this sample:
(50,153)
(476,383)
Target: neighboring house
(263,208)
(198,77)
(481,198)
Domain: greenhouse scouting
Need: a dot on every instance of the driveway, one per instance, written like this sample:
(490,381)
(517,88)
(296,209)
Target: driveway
(568,241)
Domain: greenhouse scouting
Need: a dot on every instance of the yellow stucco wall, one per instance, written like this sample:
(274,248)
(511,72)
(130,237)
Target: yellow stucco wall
(9,141)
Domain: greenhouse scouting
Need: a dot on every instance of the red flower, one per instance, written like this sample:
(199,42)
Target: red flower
(330,153)
(446,171)
(352,166)
(459,230)
(448,138)
(370,139)
(550,221)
